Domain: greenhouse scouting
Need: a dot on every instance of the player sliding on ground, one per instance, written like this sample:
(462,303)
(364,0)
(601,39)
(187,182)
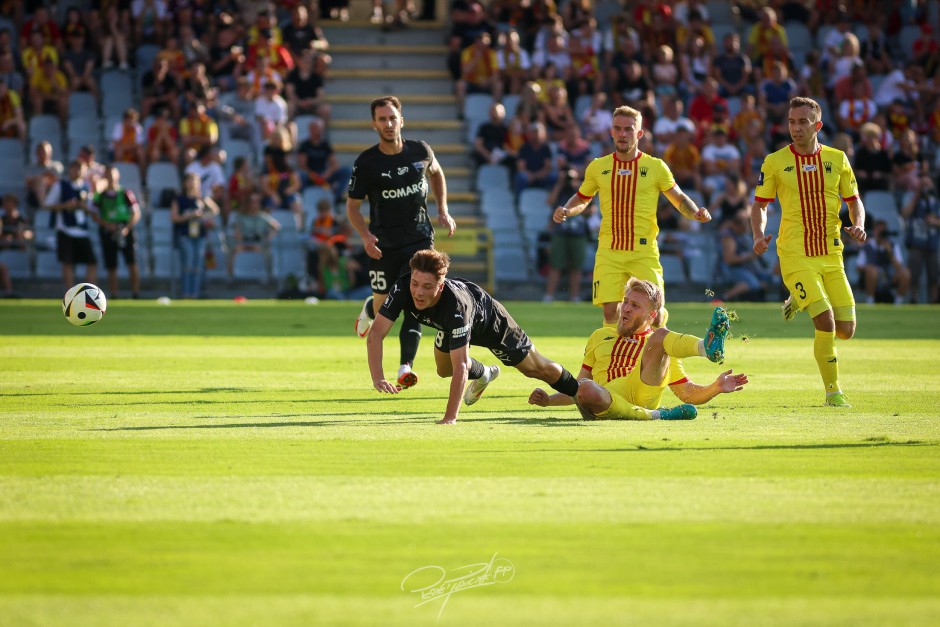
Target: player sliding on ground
(811,181)
(626,370)
(464,314)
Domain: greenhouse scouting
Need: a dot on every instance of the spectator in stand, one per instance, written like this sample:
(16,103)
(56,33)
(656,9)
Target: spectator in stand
(49,91)
(41,24)
(479,70)
(192,215)
(747,117)
(191,47)
(907,162)
(856,111)
(665,72)
(547,78)
(845,87)
(15,231)
(596,122)
(158,90)
(41,174)
(12,123)
(281,183)
(467,18)
(534,166)
(627,49)
(198,88)
(872,166)
(574,152)
(79,64)
(111,32)
(238,110)
(278,57)
(67,200)
(558,114)
(491,142)
(253,230)
(695,66)
(899,84)
(9,74)
(925,50)
(921,212)
(849,57)
(35,53)
(585,73)
(127,139)
(94,170)
(702,106)
(732,69)
(755,150)
(557,54)
(265,26)
(778,53)
(634,89)
(173,54)
(668,123)
(774,93)
(117,214)
(197,131)
(880,263)
(226,55)
(318,164)
(303,34)
(162,140)
(569,238)
(150,20)
(761,34)
(305,89)
(811,76)
(271,111)
(875,51)
(241,184)
(684,158)
(695,26)
(719,157)
(727,204)
(515,65)
(208,168)
(739,266)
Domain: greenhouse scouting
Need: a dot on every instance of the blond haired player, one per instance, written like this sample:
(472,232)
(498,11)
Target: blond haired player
(626,371)
(811,181)
(629,183)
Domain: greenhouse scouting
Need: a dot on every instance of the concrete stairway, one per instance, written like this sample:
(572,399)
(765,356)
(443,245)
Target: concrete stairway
(409,64)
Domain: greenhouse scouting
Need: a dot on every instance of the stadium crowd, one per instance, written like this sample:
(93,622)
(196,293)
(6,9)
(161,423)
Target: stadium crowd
(237,94)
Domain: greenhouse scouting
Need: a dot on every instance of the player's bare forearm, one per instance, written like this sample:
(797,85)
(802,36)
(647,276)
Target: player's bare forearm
(374,340)
(857,216)
(695,394)
(354,215)
(575,206)
(758,224)
(457,384)
(686,206)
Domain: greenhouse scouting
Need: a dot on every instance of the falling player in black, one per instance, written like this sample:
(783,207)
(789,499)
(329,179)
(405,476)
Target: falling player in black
(464,314)
(395,174)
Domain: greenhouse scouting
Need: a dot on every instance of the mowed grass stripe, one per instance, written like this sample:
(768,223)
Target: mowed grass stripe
(507,499)
(715,560)
(478,607)
(482,450)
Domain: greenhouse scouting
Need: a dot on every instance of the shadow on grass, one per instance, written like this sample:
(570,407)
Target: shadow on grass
(639,448)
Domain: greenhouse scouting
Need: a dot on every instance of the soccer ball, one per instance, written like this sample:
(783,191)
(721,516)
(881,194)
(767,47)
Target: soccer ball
(84,304)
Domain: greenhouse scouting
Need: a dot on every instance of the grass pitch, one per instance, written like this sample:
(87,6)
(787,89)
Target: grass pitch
(213,463)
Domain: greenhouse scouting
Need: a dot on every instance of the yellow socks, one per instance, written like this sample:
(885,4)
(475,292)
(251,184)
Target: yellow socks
(680,345)
(824,348)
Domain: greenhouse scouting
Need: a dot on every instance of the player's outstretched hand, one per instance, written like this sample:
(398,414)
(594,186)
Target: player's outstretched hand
(729,382)
(762,244)
(446,221)
(702,215)
(386,386)
(539,397)
(857,233)
(370,243)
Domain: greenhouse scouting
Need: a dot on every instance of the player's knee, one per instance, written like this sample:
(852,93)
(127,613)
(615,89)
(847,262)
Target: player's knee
(610,311)
(845,330)
(588,394)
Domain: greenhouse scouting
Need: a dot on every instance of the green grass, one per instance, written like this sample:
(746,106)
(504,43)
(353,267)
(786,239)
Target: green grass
(213,463)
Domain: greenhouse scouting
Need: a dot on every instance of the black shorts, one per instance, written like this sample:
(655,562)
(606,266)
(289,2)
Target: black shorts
(110,250)
(505,339)
(394,263)
(74,250)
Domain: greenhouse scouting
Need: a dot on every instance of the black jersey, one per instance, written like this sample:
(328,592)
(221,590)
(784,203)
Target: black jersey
(465,314)
(397,188)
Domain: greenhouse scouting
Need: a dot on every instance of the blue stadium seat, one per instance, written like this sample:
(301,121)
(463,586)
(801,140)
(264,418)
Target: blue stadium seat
(161,176)
(477,107)
(82,106)
(492,176)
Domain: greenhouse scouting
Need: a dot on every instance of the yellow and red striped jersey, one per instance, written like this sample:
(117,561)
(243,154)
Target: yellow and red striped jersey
(811,189)
(609,356)
(629,192)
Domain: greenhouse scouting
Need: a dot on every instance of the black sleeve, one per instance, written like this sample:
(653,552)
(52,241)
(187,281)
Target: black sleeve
(395,301)
(359,183)
(458,324)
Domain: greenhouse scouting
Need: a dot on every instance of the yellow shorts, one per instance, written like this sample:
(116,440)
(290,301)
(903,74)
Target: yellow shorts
(629,392)
(612,268)
(818,284)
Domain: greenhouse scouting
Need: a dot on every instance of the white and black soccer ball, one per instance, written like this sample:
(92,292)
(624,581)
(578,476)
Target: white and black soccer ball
(84,304)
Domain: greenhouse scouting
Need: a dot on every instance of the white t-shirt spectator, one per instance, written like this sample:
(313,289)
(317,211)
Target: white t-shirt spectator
(272,110)
(890,89)
(210,175)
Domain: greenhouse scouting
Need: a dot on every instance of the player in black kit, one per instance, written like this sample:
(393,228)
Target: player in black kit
(395,174)
(464,314)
